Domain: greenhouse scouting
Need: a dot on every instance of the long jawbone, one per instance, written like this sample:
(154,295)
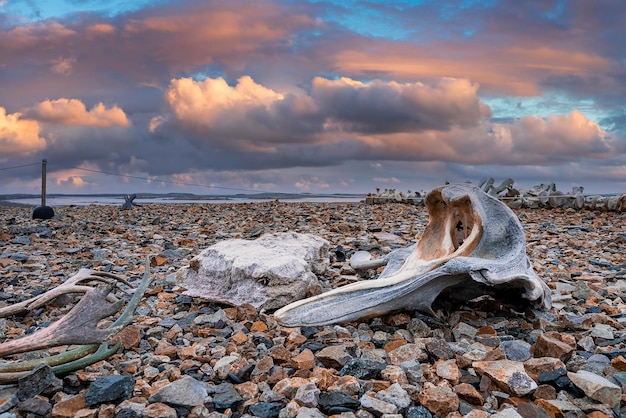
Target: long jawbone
(471,238)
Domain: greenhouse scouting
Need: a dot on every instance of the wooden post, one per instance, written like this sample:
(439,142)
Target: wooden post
(44,163)
(43,211)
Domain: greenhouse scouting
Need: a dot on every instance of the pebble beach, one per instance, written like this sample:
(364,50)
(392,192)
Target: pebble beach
(184,356)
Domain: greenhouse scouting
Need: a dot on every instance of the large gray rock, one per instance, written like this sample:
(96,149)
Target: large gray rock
(269,272)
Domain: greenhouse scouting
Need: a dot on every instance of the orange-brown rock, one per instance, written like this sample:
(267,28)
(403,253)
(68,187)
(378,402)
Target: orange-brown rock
(551,344)
(304,360)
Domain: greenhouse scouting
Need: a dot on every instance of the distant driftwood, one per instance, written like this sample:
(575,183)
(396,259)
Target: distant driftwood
(129,202)
(544,195)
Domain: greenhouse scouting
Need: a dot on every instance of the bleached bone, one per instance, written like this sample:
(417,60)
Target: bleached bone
(71,285)
(472,239)
(78,326)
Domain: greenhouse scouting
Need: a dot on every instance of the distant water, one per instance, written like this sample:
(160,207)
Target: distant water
(56,201)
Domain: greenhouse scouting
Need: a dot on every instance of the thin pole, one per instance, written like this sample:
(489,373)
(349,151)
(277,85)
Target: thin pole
(44,162)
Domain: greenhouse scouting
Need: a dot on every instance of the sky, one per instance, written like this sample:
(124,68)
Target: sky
(214,97)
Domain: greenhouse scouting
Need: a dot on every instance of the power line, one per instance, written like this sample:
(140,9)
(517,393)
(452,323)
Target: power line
(18,166)
(170,181)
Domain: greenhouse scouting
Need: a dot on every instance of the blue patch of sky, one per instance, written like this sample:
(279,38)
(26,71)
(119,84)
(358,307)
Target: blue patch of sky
(556,13)
(26,11)
(400,19)
(368,18)
(511,107)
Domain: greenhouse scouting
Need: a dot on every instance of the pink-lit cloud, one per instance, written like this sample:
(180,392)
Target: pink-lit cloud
(19,136)
(62,66)
(73,112)
(249,114)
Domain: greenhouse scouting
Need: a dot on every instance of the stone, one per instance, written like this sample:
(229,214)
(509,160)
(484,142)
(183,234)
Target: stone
(186,392)
(469,394)
(266,409)
(516,350)
(439,349)
(305,412)
(336,356)
(36,406)
(448,369)
(334,402)
(545,391)
(507,413)
(619,363)
(560,408)
(159,410)
(362,369)
(407,352)
(413,371)
(224,396)
(439,400)
(508,375)
(377,406)
(268,272)
(394,374)
(396,395)
(603,331)
(347,384)
(550,345)
(105,389)
(24,240)
(538,365)
(597,387)
(464,331)
(304,360)
(164,348)
(8,398)
(130,336)
(34,382)
(69,406)
(529,410)
(418,412)
(583,291)
(289,386)
(307,395)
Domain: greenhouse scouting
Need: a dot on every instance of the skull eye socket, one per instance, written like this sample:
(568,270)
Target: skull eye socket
(462,221)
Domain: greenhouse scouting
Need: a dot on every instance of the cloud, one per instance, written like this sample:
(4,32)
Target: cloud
(531,140)
(343,119)
(385,180)
(249,116)
(519,71)
(62,66)
(40,35)
(569,135)
(100,29)
(389,106)
(311,183)
(204,103)
(19,136)
(73,112)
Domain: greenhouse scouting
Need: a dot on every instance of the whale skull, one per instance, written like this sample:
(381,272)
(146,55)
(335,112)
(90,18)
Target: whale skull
(472,240)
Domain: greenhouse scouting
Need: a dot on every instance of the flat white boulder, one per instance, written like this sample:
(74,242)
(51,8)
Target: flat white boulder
(268,273)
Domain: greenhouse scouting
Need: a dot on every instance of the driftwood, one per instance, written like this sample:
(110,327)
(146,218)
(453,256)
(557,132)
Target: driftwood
(78,327)
(129,202)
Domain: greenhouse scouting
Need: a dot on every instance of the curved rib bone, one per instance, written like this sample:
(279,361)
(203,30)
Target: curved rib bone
(470,237)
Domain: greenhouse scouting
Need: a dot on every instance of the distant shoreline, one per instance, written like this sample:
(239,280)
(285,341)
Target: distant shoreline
(55,200)
(189,196)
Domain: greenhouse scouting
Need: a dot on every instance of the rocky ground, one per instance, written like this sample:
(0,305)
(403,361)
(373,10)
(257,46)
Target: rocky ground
(187,357)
